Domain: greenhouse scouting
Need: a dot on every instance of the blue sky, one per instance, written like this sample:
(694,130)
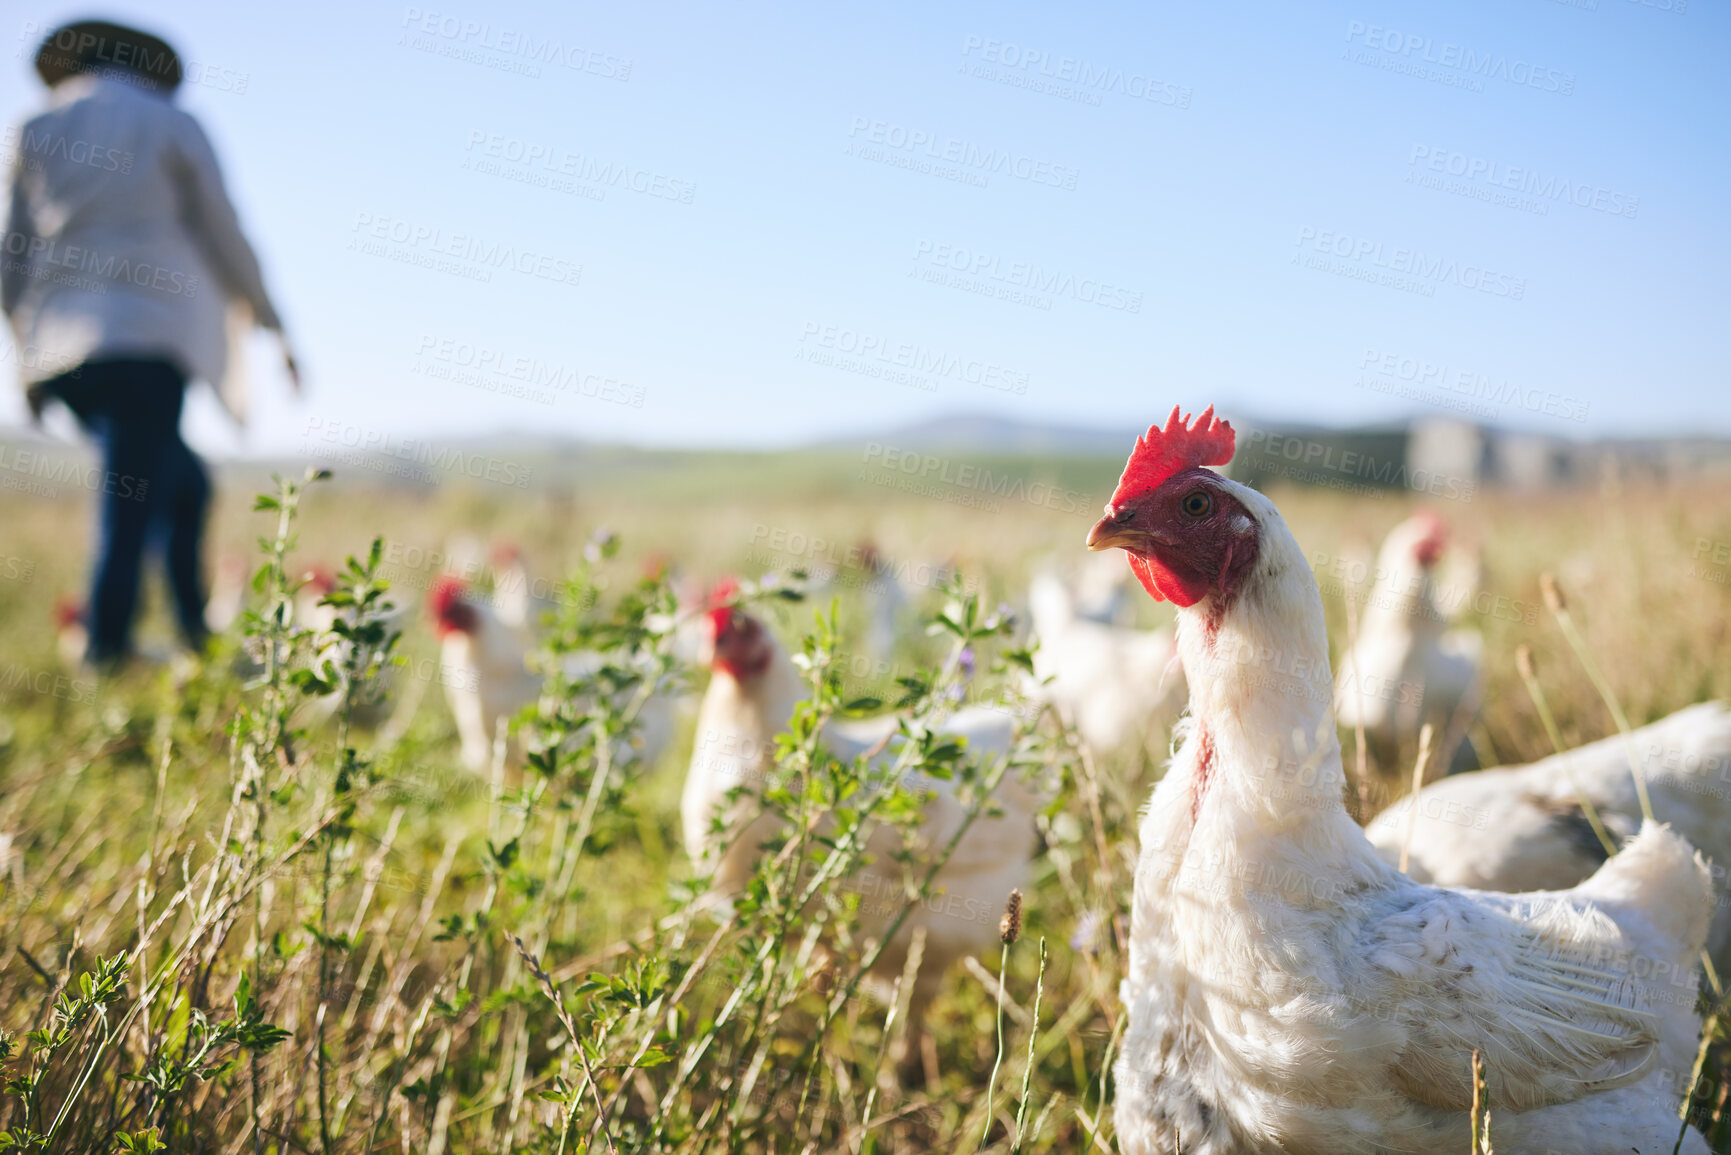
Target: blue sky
(849,216)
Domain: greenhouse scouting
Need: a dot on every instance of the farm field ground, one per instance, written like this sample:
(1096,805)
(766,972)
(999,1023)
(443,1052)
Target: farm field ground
(375,906)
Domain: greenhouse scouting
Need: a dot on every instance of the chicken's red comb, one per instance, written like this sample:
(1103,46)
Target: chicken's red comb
(724,592)
(1160,453)
(444,598)
(320,577)
(1433,539)
(720,605)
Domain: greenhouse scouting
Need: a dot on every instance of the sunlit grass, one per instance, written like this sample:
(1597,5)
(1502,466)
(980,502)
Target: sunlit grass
(93,810)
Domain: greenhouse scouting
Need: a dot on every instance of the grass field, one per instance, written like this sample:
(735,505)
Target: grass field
(248,875)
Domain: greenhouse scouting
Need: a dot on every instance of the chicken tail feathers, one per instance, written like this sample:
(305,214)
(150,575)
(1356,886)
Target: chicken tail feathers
(1661,878)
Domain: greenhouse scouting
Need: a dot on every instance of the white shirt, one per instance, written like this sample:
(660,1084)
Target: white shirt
(121,241)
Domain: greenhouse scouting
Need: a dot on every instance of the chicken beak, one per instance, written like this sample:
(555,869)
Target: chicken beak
(1107,534)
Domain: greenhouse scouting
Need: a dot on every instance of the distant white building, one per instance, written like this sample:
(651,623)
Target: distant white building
(1445,447)
(1483,456)
(1525,461)
(1462,456)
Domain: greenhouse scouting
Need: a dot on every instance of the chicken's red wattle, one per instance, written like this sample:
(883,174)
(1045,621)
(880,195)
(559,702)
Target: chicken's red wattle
(1165,585)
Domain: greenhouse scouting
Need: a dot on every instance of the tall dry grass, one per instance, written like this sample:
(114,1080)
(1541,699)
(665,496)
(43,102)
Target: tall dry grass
(232,928)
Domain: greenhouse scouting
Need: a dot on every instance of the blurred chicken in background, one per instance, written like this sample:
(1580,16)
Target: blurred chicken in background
(1122,688)
(1406,667)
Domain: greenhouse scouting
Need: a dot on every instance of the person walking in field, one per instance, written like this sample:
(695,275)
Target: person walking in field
(124,276)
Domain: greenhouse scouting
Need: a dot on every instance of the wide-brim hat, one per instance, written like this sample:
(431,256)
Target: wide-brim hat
(101,47)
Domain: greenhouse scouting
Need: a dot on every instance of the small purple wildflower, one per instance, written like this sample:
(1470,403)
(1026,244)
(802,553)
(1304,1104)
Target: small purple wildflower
(1082,938)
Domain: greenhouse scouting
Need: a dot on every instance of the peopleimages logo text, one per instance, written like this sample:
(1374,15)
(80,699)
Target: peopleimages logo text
(1086,76)
(446,458)
(477,251)
(927,470)
(1024,275)
(1412,262)
(1446,54)
(530,370)
(557,161)
(516,42)
(46,257)
(1312,456)
(948,149)
(912,356)
(39,145)
(1524,180)
(1473,384)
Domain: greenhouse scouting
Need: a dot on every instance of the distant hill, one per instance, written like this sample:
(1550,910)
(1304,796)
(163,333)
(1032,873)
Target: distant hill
(977,433)
(1422,454)
(985,433)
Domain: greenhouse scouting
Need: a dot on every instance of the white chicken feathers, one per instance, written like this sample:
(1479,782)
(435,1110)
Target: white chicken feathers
(1120,686)
(735,745)
(1101,589)
(1290,991)
(484,665)
(1407,667)
(1523,828)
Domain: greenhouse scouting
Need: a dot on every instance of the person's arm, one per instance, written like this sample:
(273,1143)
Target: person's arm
(19,240)
(210,217)
(18,245)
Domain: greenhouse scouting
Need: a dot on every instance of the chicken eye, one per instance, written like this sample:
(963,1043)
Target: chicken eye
(1197,503)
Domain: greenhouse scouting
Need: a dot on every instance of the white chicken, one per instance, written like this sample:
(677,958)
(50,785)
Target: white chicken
(379,702)
(886,602)
(1523,827)
(513,598)
(751,698)
(1122,687)
(71,636)
(317,581)
(519,598)
(1100,590)
(1407,668)
(1290,991)
(228,590)
(689,621)
(886,587)
(484,664)
(233,582)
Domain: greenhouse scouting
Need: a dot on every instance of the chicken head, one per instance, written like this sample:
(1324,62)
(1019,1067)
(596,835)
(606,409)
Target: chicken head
(1186,534)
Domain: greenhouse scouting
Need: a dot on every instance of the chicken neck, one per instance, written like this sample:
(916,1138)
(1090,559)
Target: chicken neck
(1256,790)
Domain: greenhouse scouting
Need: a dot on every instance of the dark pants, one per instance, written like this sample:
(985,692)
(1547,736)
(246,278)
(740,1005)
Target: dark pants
(153,492)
